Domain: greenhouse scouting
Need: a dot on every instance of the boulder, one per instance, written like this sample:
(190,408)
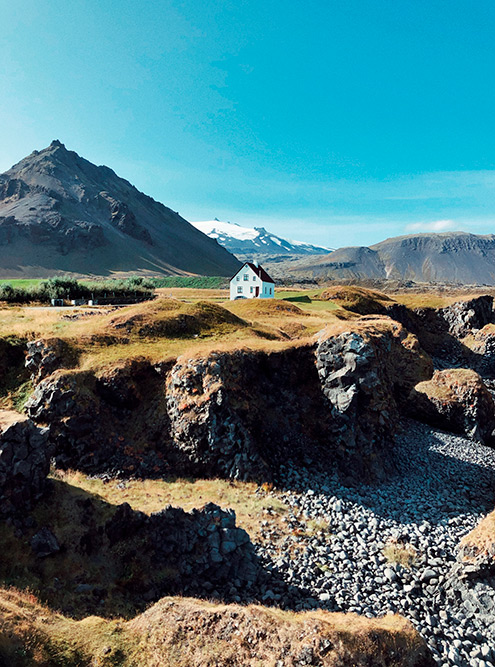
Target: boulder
(456,400)
(24,463)
(44,543)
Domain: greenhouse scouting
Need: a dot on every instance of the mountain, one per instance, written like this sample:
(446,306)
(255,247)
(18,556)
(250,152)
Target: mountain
(60,213)
(254,241)
(450,257)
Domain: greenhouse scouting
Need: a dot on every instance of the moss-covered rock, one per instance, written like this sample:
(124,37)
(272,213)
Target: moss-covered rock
(456,400)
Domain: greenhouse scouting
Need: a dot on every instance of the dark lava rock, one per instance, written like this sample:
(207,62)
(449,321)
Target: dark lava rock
(44,543)
(44,356)
(365,374)
(24,463)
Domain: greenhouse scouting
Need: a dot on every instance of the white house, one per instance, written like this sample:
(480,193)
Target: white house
(251,282)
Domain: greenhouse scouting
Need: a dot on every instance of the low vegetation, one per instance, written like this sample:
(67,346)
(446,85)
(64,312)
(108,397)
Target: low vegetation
(42,291)
(357,299)
(398,553)
(189,282)
(481,540)
(247,500)
(183,632)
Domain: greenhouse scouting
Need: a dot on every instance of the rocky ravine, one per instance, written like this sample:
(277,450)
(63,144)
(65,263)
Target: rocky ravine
(366,487)
(235,414)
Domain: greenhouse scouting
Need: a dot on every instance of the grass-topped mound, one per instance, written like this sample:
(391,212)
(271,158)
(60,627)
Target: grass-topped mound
(456,400)
(185,632)
(172,318)
(357,299)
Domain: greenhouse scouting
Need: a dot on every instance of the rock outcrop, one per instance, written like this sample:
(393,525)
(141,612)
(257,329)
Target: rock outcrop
(243,414)
(456,400)
(114,422)
(365,374)
(201,547)
(463,317)
(44,356)
(481,344)
(458,334)
(239,414)
(24,463)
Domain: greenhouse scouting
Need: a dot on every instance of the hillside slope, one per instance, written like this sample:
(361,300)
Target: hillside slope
(60,213)
(451,257)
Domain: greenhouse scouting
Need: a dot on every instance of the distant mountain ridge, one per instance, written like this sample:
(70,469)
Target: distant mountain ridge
(254,241)
(448,257)
(59,213)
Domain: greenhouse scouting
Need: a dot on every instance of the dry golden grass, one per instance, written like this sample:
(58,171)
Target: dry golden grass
(183,632)
(481,540)
(265,307)
(433,299)
(357,299)
(181,324)
(294,319)
(153,495)
(33,634)
(401,554)
(193,294)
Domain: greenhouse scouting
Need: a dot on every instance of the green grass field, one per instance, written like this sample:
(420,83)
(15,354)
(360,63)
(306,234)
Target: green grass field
(307,300)
(20,282)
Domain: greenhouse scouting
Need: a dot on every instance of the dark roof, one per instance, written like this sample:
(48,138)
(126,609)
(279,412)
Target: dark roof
(259,270)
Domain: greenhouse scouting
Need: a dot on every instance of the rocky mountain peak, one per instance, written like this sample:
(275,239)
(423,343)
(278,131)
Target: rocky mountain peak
(61,213)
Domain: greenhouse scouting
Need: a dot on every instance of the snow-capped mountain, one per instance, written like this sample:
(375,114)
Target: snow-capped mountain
(252,241)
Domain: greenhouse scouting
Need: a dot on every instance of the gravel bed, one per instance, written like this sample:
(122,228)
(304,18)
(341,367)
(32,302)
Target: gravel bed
(336,535)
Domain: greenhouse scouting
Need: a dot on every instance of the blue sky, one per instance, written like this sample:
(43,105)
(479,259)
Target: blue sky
(336,122)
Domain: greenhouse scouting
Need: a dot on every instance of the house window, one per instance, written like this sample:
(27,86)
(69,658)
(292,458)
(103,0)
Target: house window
(252,289)
(254,277)
(239,289)
(246,277)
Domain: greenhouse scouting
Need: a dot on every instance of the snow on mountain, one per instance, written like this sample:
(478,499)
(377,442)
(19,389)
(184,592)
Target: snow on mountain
(254,240)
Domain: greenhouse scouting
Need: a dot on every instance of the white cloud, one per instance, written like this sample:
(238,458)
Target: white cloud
(434,226)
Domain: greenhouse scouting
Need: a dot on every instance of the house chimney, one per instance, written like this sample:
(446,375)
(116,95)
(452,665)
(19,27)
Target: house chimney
(255,262)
